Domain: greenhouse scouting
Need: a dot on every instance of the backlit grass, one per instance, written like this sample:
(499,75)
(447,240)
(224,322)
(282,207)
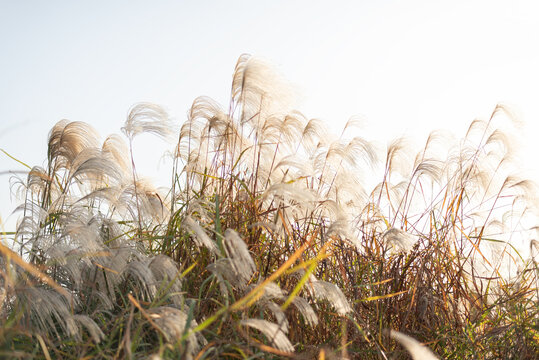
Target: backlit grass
(275,239)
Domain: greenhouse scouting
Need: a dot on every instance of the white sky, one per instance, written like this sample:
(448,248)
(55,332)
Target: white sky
(408,66)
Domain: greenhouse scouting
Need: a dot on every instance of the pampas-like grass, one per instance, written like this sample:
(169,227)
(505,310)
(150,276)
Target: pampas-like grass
(327,291)
(418,351)
(316,242)
(147,118)
(172,323)
(274,332)
(399,241)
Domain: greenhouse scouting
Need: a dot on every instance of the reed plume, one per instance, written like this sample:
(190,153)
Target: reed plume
(275,238)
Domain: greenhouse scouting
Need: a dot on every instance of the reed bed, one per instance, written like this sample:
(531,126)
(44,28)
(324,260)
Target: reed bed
(275,239)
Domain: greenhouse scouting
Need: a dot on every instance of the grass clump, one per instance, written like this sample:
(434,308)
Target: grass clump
(273,240)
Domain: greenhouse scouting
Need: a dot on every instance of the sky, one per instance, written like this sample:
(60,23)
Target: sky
(407,67)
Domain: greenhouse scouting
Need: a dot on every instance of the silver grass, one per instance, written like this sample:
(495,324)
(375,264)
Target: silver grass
(509,113)
(209,115)
(72,209)
(377,219)
(430,168)
(354,122)
(525,189)
(67,140)
(223,271)
(272,331)
(141,274)
(105,196)
(238,78)
(189,142)
(209,134)
(47,310)
(105,281)
(112,233)
(208,123)
(167,274)
(36,180)
(534,251)
(306,310)
(4,299)
(240,259)
(208,127)
(144,199)
(477,127)
(341,227)
(501,142)
(225,274)
(106,273)
(271,291)
(293,127)
(279,315)
(66,263)
(117,201)
(93,329)
(319,159)
(361,149)
(324,290)
(147,118)
(331,209)
(199,235)
(315,134)
(29,225)
(80,232)
(282,132)
(296,166)
(172,323)
(290,194)
(398,157)
(389,194)
(92,167)
(164,268)
(414,347)
(399,241)
(150,200)
(198,210)
(437,146)
(268,227)
(347,189)
(352,152)
(115,148)
(259,90)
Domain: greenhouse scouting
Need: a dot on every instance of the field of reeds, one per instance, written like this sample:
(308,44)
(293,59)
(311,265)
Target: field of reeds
(275,239)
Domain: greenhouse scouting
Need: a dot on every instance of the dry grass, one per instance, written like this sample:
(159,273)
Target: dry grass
(271,243)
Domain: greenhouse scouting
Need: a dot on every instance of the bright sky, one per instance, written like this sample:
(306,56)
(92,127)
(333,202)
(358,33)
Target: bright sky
(408,66)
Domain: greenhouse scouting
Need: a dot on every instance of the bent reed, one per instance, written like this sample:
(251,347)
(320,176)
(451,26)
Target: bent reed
(275,239)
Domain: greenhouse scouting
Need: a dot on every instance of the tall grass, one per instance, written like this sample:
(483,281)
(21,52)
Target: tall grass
(272,241)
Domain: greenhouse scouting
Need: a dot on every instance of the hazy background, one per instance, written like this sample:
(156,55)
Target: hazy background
(408,67)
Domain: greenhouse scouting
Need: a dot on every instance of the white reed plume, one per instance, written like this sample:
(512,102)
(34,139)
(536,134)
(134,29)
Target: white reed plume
(272,331)
(414,347)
